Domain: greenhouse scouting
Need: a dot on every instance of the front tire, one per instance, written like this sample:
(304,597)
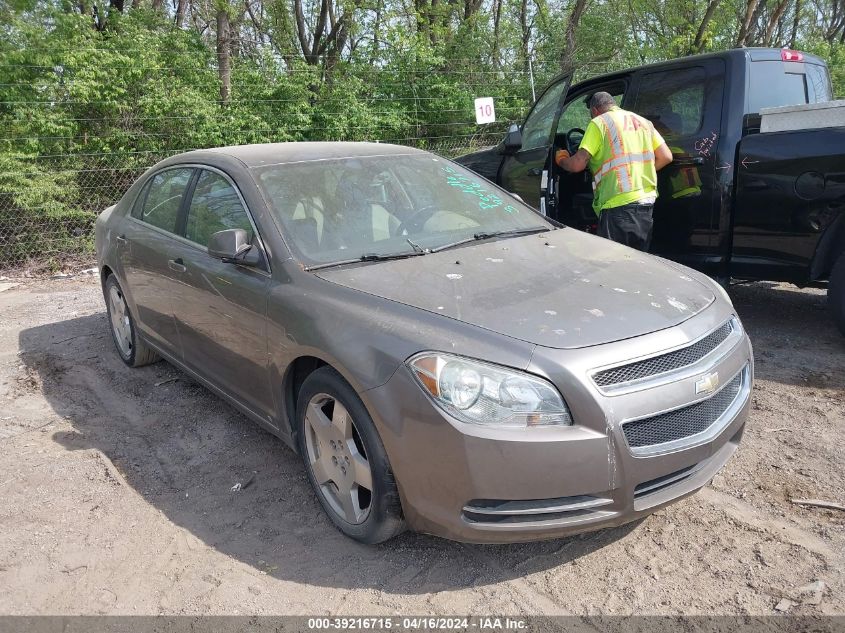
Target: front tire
(131,349)
(836,293)
(345,459)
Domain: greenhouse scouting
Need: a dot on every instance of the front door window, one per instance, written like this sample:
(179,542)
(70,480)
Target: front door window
(576,113)
(214,207)
(538,126)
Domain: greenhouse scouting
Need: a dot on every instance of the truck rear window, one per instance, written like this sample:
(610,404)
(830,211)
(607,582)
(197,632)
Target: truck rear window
(776,83)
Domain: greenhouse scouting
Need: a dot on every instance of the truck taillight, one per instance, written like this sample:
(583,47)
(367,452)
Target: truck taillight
(788,55)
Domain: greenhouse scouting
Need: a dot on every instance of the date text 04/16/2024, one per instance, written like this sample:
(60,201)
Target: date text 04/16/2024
(418,623)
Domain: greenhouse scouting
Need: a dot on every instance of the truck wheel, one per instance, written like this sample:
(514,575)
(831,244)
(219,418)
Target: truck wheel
(836,293)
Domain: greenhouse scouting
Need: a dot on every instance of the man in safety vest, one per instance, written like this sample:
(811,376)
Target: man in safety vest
(624,153)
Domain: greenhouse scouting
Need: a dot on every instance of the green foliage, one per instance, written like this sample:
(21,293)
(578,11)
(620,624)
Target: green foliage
(89,103)
(835,55)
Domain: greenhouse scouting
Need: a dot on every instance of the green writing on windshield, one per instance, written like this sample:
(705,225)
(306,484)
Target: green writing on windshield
(486,198)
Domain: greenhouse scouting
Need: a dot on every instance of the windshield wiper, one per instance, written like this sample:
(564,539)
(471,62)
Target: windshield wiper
(369,257)
(378,257)
(486,236)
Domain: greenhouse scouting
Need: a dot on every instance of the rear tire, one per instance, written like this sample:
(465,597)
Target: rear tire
(345,459)
(836,293)
(130,347)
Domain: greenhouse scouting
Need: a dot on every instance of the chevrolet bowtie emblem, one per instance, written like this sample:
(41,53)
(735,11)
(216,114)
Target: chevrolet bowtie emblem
(707,383)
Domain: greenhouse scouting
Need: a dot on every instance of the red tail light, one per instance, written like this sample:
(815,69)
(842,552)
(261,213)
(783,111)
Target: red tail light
(791,56)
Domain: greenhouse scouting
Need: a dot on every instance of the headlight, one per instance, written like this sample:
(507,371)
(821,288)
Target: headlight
(478,393)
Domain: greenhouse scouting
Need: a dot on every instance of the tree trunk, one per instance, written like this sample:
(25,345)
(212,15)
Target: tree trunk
(181,6)
(698,44)
(136,4)
(774,19)
(497,18)
(377,32)
(156,4)
(567,58)
(311,51)
(224,61)
(433,31)
(471,7)
(745,27)
(796,18)
(526,34)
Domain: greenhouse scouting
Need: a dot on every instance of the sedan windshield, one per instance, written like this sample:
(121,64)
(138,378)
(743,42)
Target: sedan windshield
(377,207)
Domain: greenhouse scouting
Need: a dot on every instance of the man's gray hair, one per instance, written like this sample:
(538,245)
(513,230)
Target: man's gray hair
(601,101)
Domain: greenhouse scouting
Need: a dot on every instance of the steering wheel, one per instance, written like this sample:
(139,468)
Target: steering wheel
(413,220)
(572,142)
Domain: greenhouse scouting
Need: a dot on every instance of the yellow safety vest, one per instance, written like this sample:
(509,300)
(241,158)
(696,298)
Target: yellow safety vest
(623,170)
(686,181)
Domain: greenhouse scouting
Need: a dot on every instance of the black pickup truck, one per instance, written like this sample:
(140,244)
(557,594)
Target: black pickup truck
(737,201)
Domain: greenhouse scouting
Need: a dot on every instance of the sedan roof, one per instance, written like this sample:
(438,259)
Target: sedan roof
(278,153)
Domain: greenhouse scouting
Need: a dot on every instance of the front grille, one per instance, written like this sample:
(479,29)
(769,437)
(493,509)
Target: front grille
(665,362)
(685,422)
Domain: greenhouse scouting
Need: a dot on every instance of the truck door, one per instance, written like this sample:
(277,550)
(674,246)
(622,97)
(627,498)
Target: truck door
(522,170)
(685,105)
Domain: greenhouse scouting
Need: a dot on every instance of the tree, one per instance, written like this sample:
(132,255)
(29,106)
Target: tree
(746,25)
(224,53)
(699,41)
(567,59)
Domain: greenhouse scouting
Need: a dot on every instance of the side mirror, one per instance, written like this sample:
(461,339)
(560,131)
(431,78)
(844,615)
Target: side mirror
(513,139)
(233,247)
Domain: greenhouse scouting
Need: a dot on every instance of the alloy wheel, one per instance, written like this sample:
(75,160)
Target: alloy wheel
(337,458)
(120,324)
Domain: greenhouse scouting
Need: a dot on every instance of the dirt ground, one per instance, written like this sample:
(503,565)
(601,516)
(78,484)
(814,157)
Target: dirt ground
(116,496)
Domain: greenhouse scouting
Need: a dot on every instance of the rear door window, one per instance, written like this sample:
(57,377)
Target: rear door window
(215,206)
(164,197)
(818,84)
(673,100)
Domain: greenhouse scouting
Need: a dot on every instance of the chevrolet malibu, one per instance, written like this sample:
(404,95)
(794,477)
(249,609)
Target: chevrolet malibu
(443,357)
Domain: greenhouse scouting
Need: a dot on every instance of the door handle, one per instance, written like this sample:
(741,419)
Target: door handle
(121,239)
(177,265)
(688,162)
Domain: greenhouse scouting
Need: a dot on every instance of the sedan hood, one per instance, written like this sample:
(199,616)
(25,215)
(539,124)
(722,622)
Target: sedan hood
(560,289)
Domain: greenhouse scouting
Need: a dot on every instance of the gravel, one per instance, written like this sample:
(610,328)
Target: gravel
(120,496)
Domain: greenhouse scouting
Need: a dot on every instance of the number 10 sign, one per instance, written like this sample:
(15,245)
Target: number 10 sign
(485,112)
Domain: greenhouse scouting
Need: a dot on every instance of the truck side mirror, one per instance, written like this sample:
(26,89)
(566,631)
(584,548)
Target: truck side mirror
(513,139)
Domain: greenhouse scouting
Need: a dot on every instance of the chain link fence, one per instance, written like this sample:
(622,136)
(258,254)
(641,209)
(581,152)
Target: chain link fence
(58,234)
(62,161)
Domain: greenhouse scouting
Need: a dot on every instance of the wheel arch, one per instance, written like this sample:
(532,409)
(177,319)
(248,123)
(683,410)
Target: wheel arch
(831,246)
(294,376)
(105,272)
(291,374)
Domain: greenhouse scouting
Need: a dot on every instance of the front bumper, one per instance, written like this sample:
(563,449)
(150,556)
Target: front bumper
(478,484)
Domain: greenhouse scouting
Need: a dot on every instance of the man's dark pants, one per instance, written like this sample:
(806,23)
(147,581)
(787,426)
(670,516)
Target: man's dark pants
(630,224)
